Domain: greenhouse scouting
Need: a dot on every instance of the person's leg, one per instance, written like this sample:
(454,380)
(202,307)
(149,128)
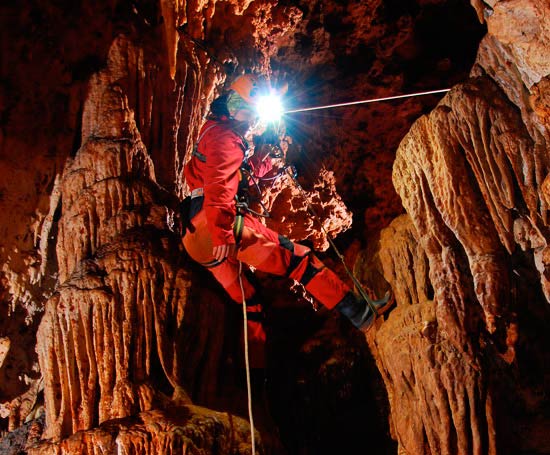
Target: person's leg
(270,252)
(227,274)
(198,244)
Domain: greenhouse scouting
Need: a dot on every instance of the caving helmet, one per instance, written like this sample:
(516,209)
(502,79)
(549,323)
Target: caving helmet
(251,98)
(246,86)
(242,98)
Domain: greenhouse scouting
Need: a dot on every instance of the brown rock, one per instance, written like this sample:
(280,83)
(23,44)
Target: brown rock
(522,26)
(540,100)
(403,261)
(129,326)
(426,372)
(189,429)
(311,214)
(4,348)
(472,177)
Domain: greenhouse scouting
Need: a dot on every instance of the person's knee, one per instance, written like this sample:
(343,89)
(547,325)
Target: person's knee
(304,268)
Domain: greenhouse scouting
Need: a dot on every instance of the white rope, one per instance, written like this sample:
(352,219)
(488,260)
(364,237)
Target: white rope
(352,103)
(247,363)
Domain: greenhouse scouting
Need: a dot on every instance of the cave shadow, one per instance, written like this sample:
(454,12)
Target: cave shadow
(324,390)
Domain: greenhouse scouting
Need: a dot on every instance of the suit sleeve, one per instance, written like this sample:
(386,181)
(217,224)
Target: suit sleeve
(221,181)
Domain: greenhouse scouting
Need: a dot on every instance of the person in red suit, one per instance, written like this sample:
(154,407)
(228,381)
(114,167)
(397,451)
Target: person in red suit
(222,234)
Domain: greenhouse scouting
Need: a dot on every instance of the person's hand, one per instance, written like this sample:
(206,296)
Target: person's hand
(221,252)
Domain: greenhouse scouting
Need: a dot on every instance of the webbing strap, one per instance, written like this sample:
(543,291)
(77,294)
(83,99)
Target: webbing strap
(200,156)
(197,192)
(212,263)
(206,131)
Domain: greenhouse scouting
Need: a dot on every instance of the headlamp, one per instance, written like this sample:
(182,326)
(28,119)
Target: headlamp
(269,108)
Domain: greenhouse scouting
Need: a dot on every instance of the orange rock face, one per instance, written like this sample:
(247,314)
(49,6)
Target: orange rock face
(118,334)
(102,333)
(178,429)
(111,333)
(472,177)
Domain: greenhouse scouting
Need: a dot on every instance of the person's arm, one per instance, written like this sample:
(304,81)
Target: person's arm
(221,181)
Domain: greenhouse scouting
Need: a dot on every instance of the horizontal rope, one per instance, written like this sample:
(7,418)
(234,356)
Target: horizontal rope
(352,103)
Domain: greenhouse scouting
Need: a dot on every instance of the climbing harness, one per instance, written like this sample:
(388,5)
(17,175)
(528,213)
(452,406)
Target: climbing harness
(247,362)
(243,195)
(291,172)
(242,198)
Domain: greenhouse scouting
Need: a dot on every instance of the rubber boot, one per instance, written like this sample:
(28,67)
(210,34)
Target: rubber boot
(356,309)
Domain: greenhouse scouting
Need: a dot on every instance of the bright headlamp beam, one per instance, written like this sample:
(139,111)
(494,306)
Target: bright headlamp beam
(270,108)
(352,103)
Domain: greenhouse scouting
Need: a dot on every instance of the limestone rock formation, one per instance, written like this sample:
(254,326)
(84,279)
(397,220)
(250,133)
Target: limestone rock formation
(104,273)
(306,215)
(110,338)
(189,429)
(471,176)
(361,50)
(102,332)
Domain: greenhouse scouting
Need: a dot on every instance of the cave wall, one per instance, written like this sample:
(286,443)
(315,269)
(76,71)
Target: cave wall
(361,50)
(92,255)
(97,120)
(463,354)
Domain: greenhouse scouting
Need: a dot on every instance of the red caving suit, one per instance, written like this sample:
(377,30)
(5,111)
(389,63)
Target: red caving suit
(216,169)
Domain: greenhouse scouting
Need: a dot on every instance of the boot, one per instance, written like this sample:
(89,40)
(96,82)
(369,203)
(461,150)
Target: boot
(356,309)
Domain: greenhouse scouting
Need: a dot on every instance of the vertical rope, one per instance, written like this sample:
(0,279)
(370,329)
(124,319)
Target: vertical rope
(247,363)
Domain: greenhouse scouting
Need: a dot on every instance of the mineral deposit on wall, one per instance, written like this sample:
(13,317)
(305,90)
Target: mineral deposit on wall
(472,176)
(98,114)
